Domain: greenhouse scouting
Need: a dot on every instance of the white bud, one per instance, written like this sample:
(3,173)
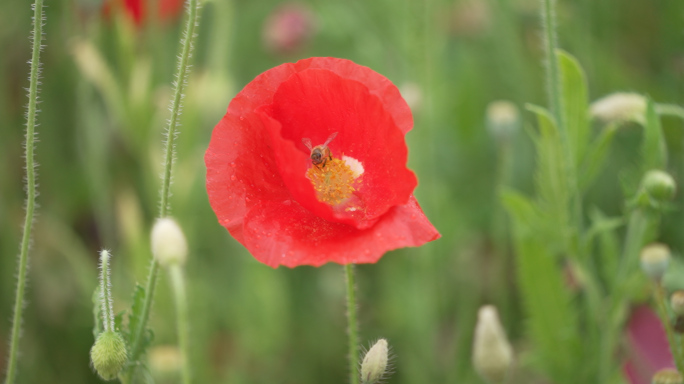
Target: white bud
(503,119)
(168,242)
(655,258)
(492,353)
(374,363)
(620,107)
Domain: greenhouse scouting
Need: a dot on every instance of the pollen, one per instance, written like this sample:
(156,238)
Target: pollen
(334,183)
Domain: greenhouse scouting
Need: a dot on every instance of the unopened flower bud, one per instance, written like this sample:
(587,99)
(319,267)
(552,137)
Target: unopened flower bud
(108,354)
(503,119)
(667,376)
(374,364)
(659,185)
(492,353)
(620,107)
(289,28)
(655,258)
(677,303)
(168,242)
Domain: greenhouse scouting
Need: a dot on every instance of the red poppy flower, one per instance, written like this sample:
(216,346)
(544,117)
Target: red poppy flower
(287,205)
(137,9)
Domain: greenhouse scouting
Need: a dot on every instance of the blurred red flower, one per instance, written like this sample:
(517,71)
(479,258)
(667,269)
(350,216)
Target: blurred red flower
(137,9)
(352,207)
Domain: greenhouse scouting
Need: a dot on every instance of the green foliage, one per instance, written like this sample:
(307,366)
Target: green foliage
(653,149)
(574,106)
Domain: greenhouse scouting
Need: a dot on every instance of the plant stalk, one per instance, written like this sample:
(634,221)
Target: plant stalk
(553,82)
(352,325)
(30,191)
(677,353)
(180,296)
(180,78)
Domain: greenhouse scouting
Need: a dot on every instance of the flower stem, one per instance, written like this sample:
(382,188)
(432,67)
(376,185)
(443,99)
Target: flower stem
(105,292)
(170,135)
(659,294)
(30,190)
(180,296)
(553,82)
(353,325)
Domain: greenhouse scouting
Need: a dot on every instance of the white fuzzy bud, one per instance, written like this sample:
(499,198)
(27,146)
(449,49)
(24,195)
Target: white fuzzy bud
(654,260)
(168,242)
(374,363)
(492,353)
(620,107)
(503,119)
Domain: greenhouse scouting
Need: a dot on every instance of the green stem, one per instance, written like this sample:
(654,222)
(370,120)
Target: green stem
(352,323)
(659,294)
(670,110)
(180,296)
(30,190)
(553,83)
(106,294)
(636,231)
(170,135)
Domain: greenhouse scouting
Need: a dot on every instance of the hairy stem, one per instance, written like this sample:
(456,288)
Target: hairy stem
(352,324)
(553,82)
(170,135)
(180,296)
(30,190)
(105,292)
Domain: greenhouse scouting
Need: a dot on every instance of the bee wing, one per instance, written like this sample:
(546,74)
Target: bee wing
(307,142)
(334,134)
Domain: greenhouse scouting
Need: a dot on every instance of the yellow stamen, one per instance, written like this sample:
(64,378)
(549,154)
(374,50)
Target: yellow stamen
(334,183)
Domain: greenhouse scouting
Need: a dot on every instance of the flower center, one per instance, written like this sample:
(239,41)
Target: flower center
(334,182)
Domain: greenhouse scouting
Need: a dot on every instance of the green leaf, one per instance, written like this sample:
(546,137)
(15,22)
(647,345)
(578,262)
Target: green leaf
(552,179)
(574,105)
(604,229)
(552,322)
(521,208)
(653,148)
(595,157)
(98,326)
(135,318)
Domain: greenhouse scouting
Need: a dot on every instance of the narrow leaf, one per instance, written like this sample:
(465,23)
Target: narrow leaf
(574,105)
(595,157)
(653,149)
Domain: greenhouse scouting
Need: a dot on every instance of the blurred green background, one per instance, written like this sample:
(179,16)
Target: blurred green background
(105,91)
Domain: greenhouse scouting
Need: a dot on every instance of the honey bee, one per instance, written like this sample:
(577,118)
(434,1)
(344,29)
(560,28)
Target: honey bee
(320,154)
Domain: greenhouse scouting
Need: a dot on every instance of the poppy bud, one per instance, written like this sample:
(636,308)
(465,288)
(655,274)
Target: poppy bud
(667,376)
(659,185)
(108,354)
(620,107)
(374,363)
(492,353)
(677,303)
(655,258)
(168,242)
(503,119)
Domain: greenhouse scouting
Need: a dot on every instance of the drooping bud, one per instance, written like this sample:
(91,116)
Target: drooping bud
(168,242)
(492,353)
(108,354)
(503,119)
(374,364)
(655,258)
(677,302)
(620,107)
(667,376)
(659,185)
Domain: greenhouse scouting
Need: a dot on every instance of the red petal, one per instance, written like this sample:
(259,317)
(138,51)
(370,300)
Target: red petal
(289,235)
(365,130)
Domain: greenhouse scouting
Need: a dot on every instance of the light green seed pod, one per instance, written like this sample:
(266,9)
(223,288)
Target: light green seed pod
(667,376)
(677,303)
(659,185)
(108,354)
